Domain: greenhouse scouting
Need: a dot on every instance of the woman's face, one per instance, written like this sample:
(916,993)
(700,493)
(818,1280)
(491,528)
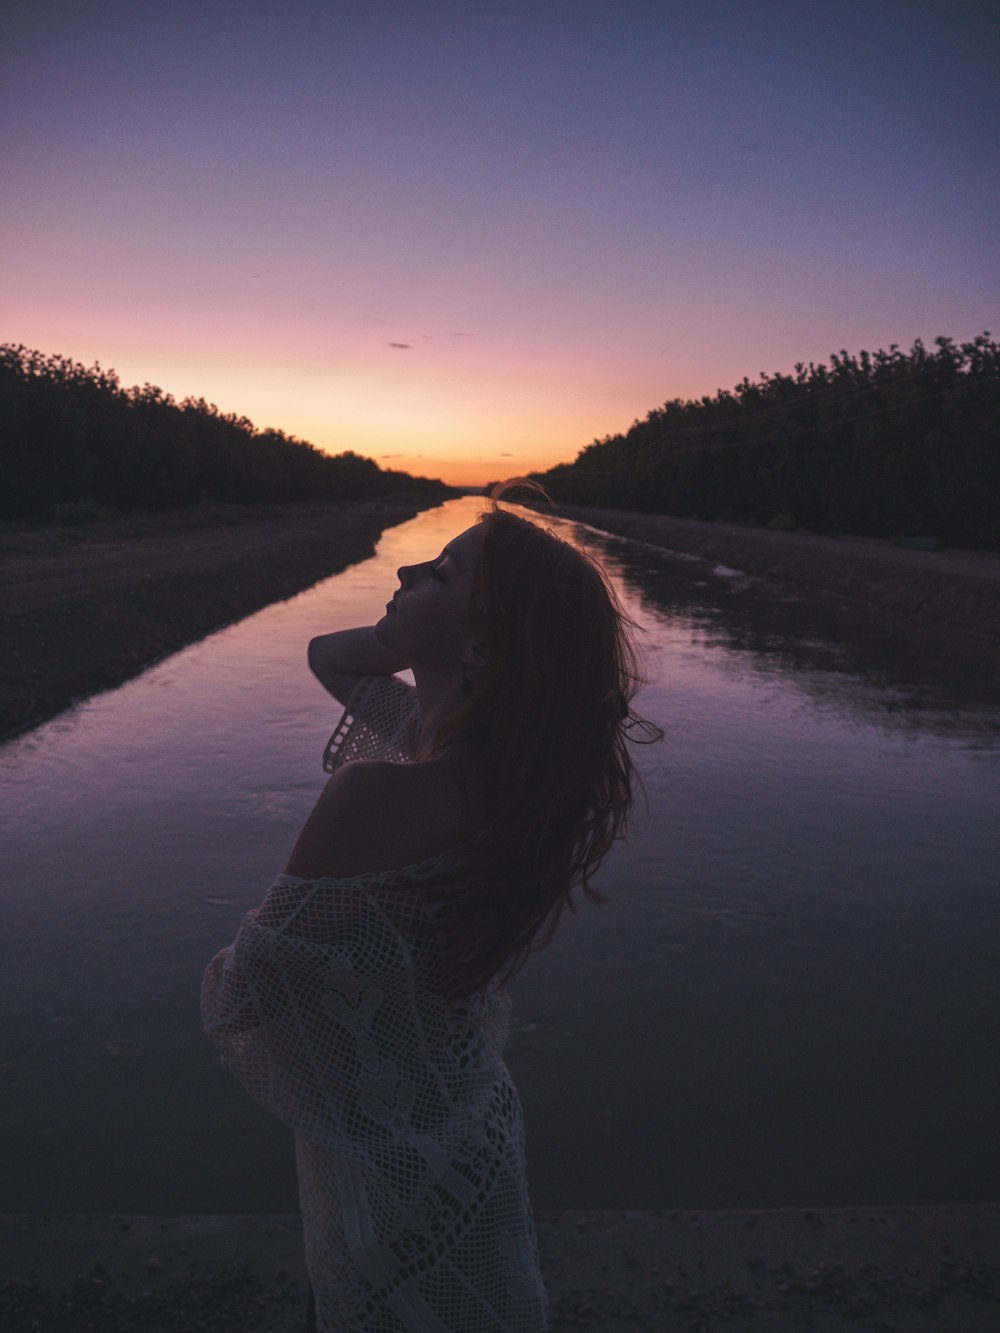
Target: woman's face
(427,622)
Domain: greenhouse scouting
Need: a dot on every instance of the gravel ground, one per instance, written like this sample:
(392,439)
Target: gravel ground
(888,1270)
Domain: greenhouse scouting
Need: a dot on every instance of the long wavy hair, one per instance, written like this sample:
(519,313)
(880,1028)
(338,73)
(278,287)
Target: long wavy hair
(549,720)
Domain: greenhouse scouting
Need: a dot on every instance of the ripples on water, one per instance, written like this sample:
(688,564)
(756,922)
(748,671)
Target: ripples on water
(791,998)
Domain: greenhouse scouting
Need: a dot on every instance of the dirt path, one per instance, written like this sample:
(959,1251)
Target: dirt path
(86,608)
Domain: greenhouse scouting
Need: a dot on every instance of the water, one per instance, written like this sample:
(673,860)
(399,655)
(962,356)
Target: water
(791,998)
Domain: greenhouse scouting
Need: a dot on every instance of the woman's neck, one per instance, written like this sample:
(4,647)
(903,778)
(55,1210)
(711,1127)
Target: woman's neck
(439,697)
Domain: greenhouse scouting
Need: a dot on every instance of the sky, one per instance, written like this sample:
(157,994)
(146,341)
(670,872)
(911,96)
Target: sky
(468,239)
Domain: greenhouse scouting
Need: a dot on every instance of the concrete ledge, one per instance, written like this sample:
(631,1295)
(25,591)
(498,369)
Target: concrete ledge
(895,1270)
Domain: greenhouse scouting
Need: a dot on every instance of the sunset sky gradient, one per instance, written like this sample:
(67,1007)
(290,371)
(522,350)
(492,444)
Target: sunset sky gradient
(467,239)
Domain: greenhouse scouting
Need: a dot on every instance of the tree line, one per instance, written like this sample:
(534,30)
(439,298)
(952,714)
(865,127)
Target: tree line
(882,444)
(75,444)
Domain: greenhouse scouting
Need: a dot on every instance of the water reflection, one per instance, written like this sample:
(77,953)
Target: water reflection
(791,998)
(850,658)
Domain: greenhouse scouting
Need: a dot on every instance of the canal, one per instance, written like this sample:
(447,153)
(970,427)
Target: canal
(791,997)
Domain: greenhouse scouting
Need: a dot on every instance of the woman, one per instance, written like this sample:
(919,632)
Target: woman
(362,1002)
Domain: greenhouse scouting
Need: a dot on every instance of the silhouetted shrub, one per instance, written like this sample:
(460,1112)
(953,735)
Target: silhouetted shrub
(879,444)
(74,445)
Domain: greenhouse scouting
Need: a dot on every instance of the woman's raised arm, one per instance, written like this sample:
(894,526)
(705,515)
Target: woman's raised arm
(339,660)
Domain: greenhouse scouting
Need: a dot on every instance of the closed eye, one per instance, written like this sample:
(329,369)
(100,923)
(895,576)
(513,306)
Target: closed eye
(436,571)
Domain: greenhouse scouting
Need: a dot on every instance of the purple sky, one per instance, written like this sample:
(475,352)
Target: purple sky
(467,239)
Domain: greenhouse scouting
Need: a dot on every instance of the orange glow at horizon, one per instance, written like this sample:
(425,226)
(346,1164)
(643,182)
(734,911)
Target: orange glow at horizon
(485,258)
(483,417)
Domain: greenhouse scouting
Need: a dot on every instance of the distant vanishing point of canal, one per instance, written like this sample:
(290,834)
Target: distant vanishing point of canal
(791,999)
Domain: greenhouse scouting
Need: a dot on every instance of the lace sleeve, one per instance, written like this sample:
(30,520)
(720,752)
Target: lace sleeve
(381,721)
(268,1001)
(329,982)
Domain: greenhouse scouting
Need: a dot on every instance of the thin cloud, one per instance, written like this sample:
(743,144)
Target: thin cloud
(402,346)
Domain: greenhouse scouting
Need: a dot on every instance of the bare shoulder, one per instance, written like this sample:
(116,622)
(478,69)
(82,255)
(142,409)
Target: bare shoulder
(367,785)
(375,815)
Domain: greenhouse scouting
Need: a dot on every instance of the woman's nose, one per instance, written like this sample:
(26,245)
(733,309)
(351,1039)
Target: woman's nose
(404,573)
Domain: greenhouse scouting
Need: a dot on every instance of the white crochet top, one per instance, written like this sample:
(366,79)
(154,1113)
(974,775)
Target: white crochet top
(329,1009)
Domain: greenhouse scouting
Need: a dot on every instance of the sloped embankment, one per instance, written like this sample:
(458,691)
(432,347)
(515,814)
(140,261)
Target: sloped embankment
(954,588)
(86,608)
